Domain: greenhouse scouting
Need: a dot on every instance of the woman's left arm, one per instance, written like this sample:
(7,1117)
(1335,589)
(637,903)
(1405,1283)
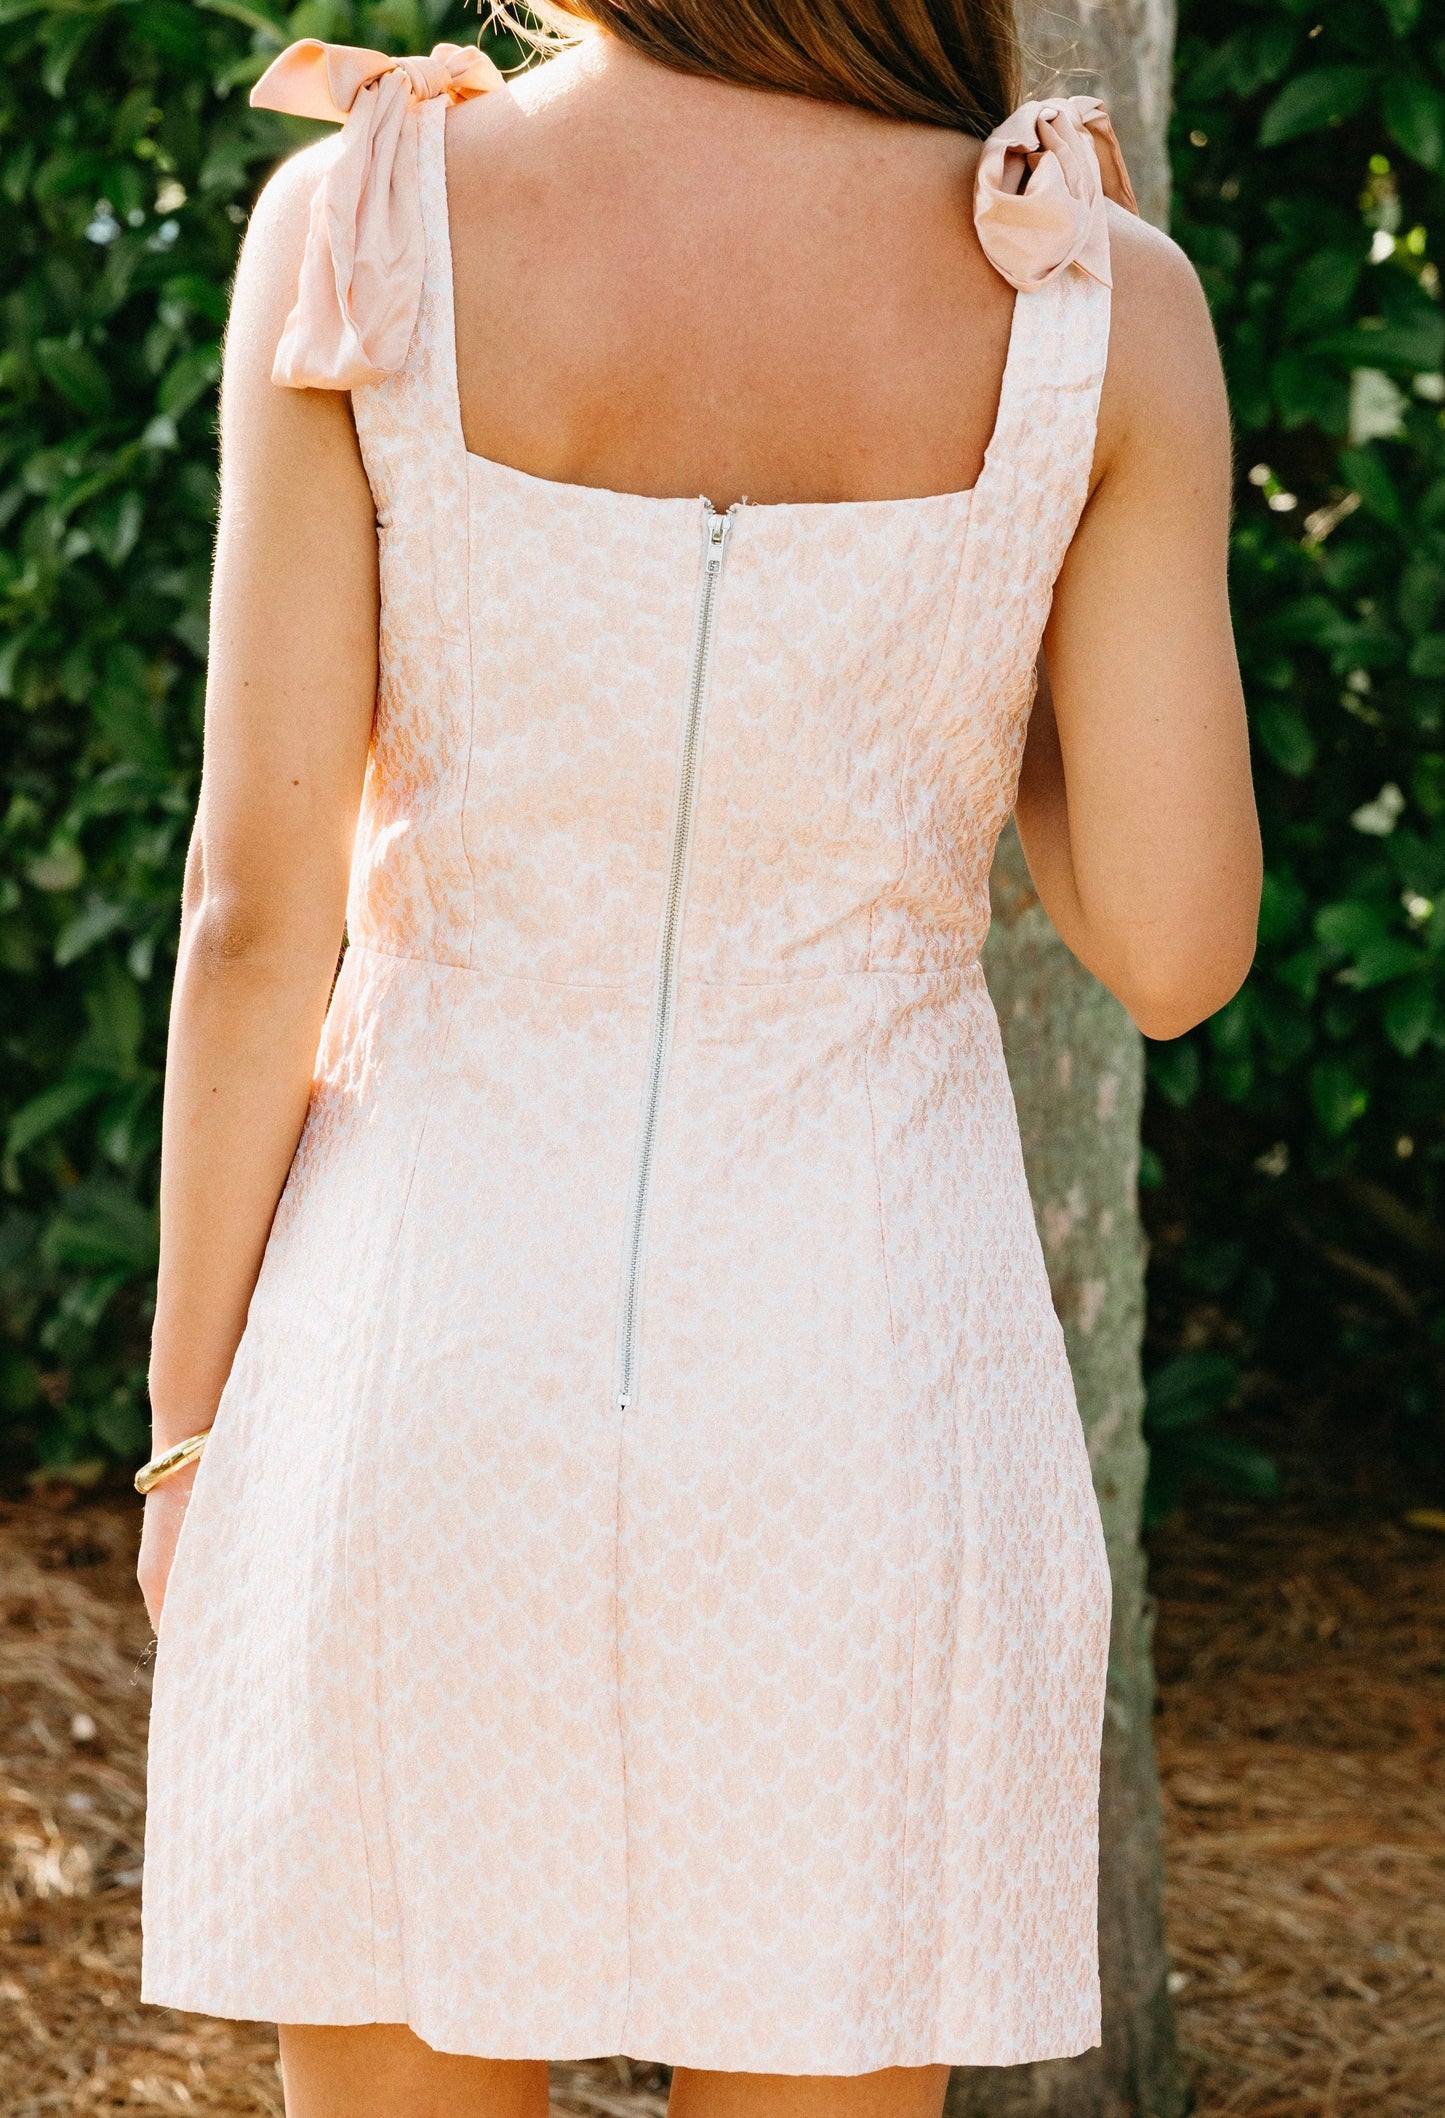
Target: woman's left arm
(1135,804)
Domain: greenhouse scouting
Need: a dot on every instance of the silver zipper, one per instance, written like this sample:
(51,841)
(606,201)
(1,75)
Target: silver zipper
(715,532)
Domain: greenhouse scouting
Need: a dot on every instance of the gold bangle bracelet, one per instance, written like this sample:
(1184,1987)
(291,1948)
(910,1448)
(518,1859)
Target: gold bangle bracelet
(166,1465)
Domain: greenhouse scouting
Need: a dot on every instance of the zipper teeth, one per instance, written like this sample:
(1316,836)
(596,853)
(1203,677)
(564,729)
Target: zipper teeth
(716,528)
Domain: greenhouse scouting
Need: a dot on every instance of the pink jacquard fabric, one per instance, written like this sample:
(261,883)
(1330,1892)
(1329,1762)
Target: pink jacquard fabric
(1040,188)
(753,1724)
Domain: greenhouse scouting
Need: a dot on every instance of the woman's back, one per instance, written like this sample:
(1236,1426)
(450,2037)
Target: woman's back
(674,286)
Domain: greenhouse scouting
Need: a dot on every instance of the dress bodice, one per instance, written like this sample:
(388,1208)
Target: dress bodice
(871,666)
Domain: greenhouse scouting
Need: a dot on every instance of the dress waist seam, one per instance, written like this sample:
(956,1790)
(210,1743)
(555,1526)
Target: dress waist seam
(968,967)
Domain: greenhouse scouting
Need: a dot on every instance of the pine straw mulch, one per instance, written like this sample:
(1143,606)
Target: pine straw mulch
(1302,1747)
(1302,1740)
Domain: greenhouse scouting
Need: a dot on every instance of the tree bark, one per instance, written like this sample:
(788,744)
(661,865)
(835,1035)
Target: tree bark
(1122,51)
(1076,1063)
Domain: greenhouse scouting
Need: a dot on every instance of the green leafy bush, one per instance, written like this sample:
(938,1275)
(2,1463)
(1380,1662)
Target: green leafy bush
(1300,1135)
(128,161)
(1185,1395)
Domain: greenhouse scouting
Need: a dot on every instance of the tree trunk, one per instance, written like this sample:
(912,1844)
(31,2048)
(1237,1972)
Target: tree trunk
(1076,1063)
(1123,51)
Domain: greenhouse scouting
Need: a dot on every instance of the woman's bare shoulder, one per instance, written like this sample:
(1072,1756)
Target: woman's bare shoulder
(270,261)
(263,423)
(1164,387)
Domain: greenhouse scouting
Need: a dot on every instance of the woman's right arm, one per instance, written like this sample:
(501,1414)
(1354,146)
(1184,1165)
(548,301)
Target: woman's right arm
(289,701)
(1135,805)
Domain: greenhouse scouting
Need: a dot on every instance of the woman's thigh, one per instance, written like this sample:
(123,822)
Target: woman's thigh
(382,2070)
(896,2092)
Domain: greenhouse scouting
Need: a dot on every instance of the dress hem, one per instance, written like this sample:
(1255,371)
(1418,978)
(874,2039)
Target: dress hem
(572,2050)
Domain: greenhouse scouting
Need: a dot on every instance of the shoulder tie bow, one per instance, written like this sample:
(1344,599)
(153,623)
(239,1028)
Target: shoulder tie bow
(361,274)
(1038,200)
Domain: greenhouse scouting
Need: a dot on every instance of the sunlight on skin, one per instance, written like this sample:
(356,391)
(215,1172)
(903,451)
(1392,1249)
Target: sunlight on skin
(385,2071)
(896,2092)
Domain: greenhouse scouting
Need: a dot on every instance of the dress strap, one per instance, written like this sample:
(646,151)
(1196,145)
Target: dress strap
(1042,181)
(1038,199)
(365,257)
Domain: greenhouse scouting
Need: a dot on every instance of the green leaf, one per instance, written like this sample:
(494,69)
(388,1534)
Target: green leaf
(133,119)
(1285,734)
(1340,1099)
(47,1112)
(1314,620)
(122,1426)
(1409,345)
(174,30)
(1422,588)
(1366,471)
(1232,1465)
(203,295)
(85,1302)
(1381,963)
(77,374)
(1414,113)
(59,869)
(1231,1029)
(115,526)
(1283,904)
(124,709)
(1211,1266)
(1244,63)
(1164,1486)
(93,924)
(102,1229)
(1309,392)
(1175,1071)
(1428,784)
(1189,1389)
(20,1388)
(1324,96)
(190,377)
(68,170)
(1410,1015)
(1324,288)
(116,1014)
(1347,926)
(272,28)
(63,40)
(128,1127)
(1427,656)
(1285,1026)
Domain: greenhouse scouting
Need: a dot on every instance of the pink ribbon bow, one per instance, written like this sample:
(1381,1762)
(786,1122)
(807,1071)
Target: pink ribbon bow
(361,274)
(1038,197)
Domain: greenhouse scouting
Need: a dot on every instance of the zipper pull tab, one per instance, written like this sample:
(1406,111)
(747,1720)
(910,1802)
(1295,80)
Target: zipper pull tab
(716,528)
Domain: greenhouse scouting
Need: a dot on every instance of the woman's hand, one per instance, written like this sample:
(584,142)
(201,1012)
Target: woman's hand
(165,1511)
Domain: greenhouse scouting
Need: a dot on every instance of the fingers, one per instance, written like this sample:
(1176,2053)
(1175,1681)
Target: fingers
(165,1511)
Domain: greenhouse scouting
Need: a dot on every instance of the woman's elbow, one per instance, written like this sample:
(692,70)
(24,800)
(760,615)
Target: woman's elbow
(1174,996)
(251,932)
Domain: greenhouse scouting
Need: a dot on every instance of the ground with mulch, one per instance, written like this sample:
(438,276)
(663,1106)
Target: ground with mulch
(1301,1652)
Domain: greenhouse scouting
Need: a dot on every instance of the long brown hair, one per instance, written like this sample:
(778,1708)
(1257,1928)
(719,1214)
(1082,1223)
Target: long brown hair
(942,62)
